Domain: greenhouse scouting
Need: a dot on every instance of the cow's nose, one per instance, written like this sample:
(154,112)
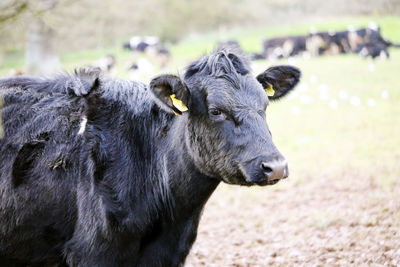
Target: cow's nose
(275,169)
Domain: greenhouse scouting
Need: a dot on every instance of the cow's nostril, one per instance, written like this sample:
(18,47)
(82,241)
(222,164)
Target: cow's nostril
(274,169)
(266,168)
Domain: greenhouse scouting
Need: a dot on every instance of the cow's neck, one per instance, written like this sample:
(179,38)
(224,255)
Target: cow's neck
(189,188)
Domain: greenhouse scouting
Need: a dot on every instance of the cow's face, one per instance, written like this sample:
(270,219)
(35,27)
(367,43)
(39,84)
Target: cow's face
(226,131)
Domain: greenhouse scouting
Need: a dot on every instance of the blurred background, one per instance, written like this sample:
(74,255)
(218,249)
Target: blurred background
(339,130)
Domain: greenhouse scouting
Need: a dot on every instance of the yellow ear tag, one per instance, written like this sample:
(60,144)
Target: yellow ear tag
(178,103)
(270,90)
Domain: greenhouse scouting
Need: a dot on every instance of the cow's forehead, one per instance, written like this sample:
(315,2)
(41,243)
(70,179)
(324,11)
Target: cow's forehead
(246,92)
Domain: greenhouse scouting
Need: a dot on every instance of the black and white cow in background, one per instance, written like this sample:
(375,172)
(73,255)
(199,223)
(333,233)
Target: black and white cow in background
(101,172)
(283,47)
(152,47)
(141,43)
(147,44)
(368,42)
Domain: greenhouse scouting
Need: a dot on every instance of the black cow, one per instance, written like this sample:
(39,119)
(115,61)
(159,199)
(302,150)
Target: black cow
(318,43)
(373,50)
(100,172)
(366,41)
(369,42)
(315,44)
(341,39)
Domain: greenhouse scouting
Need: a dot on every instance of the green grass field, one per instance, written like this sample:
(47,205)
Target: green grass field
(323,140)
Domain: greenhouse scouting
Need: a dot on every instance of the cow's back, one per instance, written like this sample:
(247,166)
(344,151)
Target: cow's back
(39,155)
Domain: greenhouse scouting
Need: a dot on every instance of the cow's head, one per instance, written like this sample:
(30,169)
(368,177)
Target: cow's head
(226,131)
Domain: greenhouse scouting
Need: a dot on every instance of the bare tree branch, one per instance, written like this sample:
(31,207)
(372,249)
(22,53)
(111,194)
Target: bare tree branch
(11,10)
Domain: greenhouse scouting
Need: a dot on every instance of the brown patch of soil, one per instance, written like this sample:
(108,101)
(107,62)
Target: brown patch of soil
(345,221)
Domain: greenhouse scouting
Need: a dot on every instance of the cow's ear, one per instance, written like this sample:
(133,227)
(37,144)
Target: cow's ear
(171,93)
(279,80)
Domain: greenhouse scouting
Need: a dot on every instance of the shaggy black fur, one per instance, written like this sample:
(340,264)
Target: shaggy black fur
(98,172)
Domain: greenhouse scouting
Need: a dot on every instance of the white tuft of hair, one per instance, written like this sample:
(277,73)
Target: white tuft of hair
(82,127)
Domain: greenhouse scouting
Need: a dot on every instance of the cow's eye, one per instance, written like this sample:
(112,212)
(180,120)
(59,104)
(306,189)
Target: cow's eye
(215,112)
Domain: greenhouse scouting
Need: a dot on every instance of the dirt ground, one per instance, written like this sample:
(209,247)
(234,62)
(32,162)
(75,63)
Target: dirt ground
(328,221)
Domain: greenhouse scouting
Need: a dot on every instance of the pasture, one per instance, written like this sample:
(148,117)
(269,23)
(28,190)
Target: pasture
(340,133)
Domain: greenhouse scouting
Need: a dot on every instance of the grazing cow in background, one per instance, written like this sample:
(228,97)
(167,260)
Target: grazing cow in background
(373,50)
(144,43)
(327,43)
(318,43)
(341,39)
(362,36)
(284,46)
(152,47)
(140,43)
(101,172)
(273,48)
(366,41)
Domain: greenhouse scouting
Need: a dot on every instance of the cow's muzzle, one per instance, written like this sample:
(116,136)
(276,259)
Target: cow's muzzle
(275,170)
(265,170)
